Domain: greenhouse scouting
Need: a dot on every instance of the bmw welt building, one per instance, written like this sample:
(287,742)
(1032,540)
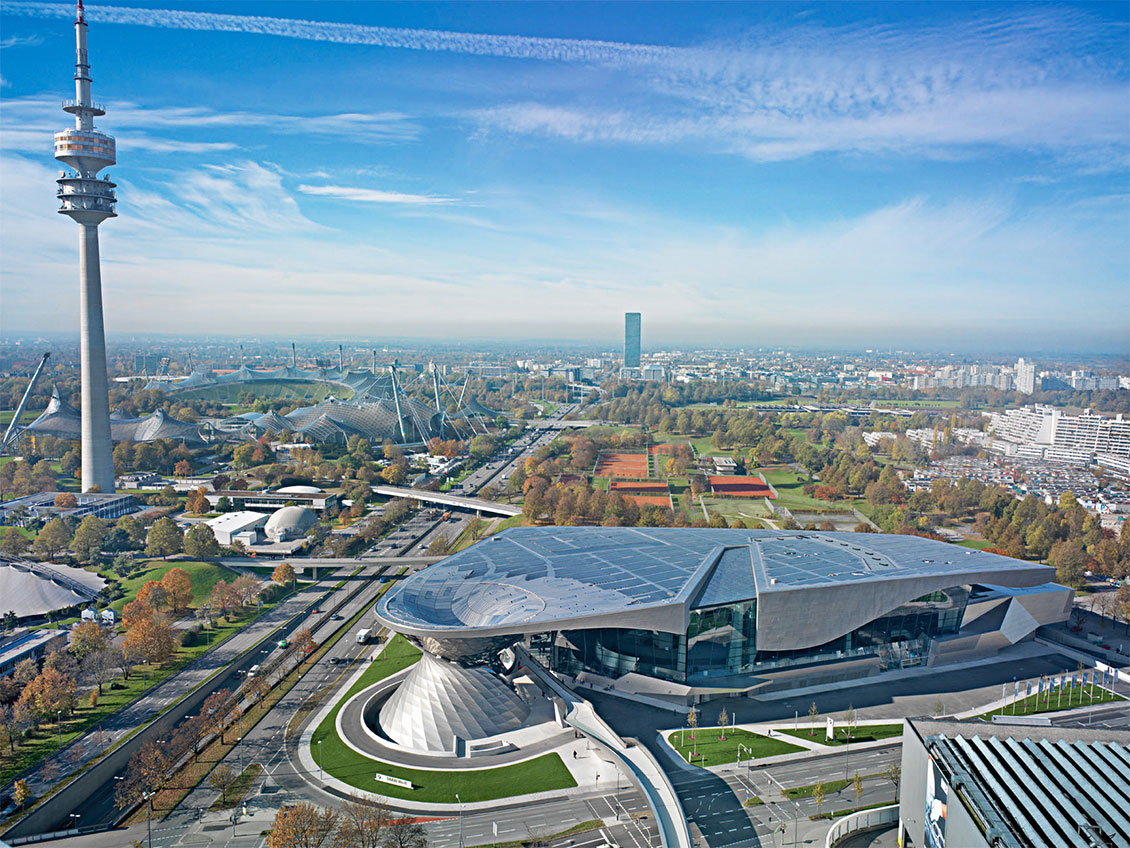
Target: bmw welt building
(689,614)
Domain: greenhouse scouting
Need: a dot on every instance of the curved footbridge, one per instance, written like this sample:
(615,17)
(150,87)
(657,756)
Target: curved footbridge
(579,713)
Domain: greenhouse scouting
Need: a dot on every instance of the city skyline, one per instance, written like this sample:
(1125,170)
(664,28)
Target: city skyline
(857,175)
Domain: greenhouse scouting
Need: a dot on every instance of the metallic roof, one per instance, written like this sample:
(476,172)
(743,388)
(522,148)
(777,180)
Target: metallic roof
(526,576)
(1042,792)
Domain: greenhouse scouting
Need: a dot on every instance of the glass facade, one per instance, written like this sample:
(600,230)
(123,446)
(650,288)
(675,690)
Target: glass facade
(721,642)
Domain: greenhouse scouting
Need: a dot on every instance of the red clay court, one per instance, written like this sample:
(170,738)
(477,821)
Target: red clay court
(651,499)
(641,488)
(666,450)
(740,487)
(622,465)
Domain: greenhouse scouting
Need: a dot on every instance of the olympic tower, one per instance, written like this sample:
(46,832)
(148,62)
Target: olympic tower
(89,200)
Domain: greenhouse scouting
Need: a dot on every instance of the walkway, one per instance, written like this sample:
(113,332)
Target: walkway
(448,499)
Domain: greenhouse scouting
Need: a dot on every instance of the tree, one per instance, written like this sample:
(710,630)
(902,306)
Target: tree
(153,595)
(145,773)
(242,456)
(14,543)
(21,792)
(222,597)
(197,502)
(133,529)
(182,468)
(54,537)
(723,720)
(66,500)
(894,775)
(223,504)
(818,795)
(361,824)
(178,586)
(165,538)
(403,832)
(87,541)
(101,665)
(302,826)
(849,722)
(246,588)
(692,720)
(150,639)
(213,712)
(857,784)
(200,541)
(476,527)
(1071,561)
(222,778)
(87,638)
(813,713)
(284,574)
(26,671)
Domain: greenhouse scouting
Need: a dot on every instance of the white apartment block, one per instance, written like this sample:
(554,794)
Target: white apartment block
(1046,432)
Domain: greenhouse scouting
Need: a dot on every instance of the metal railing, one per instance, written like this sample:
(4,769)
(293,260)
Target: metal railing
(861,821)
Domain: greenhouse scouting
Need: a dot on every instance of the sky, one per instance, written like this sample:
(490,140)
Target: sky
(814,174)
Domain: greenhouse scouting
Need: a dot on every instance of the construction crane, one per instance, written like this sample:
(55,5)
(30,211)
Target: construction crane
(13,427)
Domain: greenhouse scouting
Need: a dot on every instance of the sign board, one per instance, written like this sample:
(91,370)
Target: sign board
(830,733)
(937,799)
(395,781)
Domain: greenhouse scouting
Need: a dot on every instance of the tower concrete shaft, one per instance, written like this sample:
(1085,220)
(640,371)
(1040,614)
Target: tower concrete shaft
(89,199)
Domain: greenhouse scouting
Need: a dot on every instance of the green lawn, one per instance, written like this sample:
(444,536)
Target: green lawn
(1050,702)
(790,490)
(27,417)
(204,575)
(863,733)
(973,543)
(542,774)
(747,509)
(706,749)
(829,788)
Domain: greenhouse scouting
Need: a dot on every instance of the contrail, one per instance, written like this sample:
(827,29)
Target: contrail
(507,46)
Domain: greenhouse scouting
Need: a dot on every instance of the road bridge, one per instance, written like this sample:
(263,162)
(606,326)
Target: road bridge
(448,499)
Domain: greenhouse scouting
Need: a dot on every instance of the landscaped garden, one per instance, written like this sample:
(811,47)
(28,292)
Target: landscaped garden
(541,774)
(713,746)
(861,733)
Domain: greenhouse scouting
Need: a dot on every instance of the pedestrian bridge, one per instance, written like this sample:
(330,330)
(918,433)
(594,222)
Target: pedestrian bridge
(448,499)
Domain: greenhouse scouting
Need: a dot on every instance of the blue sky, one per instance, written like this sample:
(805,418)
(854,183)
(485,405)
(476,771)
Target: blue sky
(865,174)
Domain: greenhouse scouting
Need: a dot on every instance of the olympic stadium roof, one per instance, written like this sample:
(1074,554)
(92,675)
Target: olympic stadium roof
(65,421)
(811,587)
(364,383)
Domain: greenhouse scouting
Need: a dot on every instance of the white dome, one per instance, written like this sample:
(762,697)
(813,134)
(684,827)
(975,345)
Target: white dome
(290,522)
(298,490)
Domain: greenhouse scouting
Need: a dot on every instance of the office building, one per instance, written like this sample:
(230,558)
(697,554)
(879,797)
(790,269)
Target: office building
(631,340)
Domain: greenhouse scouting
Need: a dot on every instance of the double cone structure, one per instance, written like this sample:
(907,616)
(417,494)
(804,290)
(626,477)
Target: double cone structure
(440,703)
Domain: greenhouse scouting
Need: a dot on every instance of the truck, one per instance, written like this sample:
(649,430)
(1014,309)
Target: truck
(445,517)
(363,636)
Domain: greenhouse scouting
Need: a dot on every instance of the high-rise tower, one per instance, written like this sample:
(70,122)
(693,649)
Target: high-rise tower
(89,200)
(631,340)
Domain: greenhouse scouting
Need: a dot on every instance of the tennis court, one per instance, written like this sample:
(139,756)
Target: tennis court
(622,465)
(740,487)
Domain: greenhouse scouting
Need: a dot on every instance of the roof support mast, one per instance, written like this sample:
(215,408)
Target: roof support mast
(435,388)
(11,431)
(396,401)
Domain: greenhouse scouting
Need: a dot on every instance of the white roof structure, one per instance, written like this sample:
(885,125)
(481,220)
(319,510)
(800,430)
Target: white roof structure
(230,523)
(288,523)
(440,702)
(34,589)
(299,490)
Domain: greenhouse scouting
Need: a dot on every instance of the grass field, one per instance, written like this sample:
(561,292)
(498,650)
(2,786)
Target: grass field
(863,733)
(204,575)
(790,490)
(918,404)
(28,416)
(706,749)
(731,508)
(542,774)
(975,544)
(1050,702)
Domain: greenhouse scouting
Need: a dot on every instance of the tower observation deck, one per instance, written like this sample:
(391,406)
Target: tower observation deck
(89,200)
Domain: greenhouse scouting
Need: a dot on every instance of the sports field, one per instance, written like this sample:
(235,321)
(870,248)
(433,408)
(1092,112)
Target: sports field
(638,487)
(740,487)
(622,465)
(656,500)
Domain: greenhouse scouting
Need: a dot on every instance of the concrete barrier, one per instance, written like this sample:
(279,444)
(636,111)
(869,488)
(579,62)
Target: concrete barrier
(860,822)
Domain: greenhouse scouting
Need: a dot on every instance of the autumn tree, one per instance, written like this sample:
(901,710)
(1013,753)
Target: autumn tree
(200,541)
(302,825)
(134,611)
(178,587)
(86,638)
(66,500)
(692,720)
(818,795)
(165,538)
(151,640)
(54,537)
(197,502)
(153,594)
(246,588)
(182,468)
(145,774)
(283,574)
(21,792)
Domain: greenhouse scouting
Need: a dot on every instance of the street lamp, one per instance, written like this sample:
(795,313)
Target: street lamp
(320,761)
(148,796)
(460,803)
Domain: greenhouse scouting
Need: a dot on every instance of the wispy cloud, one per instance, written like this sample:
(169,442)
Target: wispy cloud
(1033,78)
(20,41)
(372,195)
(30,121)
